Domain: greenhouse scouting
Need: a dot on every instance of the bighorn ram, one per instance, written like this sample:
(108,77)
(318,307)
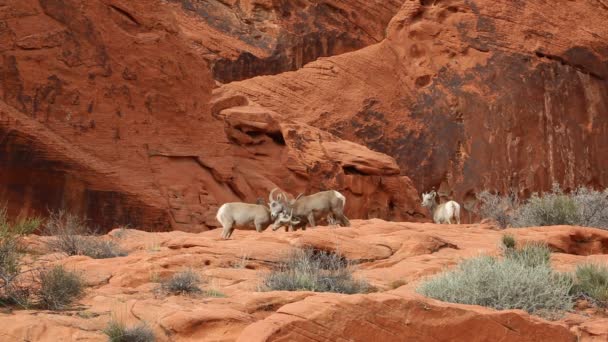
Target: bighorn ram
(329,202)
(444,212)
(247,216)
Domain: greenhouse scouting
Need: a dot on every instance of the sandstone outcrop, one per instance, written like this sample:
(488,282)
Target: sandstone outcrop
(393,257)
(106,111)
(466,95)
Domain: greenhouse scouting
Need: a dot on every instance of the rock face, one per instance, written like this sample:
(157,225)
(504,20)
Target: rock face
(243,39)
(393,257)
(106,111)
(466,95)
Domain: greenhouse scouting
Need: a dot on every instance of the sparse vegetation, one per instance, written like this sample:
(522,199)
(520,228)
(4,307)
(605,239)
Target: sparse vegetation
(582,207)
(592,282)
(72,236)
(12,291)
(310,270)
(59,288)
(531,254)
(497,208)
(522,280)
(214,293)
(397,284)
(186,282)
(119,332)
(508,242)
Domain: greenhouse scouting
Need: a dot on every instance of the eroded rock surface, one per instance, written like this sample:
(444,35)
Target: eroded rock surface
(393,257)
(106,112)
(466,95)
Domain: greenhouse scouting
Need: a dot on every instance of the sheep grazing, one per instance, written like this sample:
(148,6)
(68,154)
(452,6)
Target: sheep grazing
(444,212)
(310,207)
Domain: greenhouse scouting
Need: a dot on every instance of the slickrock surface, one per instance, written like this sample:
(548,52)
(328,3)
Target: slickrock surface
(385,252)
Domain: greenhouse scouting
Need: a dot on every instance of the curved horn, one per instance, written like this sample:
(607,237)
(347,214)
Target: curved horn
(270,196)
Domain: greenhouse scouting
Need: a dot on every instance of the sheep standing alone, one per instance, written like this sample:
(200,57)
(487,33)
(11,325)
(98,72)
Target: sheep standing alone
(444,212)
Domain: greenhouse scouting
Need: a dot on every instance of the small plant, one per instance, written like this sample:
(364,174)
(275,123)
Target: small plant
(59,288)
(72,236)
(397,284)
(502,285)
(318,271)
(181,283)
(214,293)
(12,292)
(100,249)
(553,208)
(508,242)
(242,262)
(531,254)
(592,282)
(119,332)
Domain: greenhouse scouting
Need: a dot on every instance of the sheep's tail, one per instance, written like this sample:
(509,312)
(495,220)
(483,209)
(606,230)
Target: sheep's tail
(341,198)
(456,211)
(220,214)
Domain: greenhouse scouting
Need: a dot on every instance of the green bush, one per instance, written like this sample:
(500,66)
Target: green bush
(186,282)
(553,208)
(531,254)
(12,292)
(592,282)
(59,288)
(310,270)
(72,236)
(508,242)
(510,283)
(119,332)
(582,207)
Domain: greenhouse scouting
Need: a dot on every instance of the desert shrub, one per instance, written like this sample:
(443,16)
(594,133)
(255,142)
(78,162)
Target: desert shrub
(119,332)
(310,270)
(497,208)
(502,285)
(186,282)
(59,288)
(508,242)
(592,207)
(592,282)
(531,254)
(12,292)
(582,207)
(552,208)
(214,293)
(100,249)
(72,236)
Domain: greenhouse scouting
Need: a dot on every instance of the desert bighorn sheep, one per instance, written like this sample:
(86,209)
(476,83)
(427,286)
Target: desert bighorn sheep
(311,206)
(245,216)
(443,212)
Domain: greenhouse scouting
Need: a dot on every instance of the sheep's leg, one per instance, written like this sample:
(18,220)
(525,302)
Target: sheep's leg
(291,229)
(342,218)
(311,219)
(258,226)
(331,220)
(227,230)
(345,221)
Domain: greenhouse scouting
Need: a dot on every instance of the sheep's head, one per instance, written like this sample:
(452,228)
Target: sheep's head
(428,199)
(277,205)
(285,219)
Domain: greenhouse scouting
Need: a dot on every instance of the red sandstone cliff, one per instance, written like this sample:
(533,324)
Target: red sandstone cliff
(106,111)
